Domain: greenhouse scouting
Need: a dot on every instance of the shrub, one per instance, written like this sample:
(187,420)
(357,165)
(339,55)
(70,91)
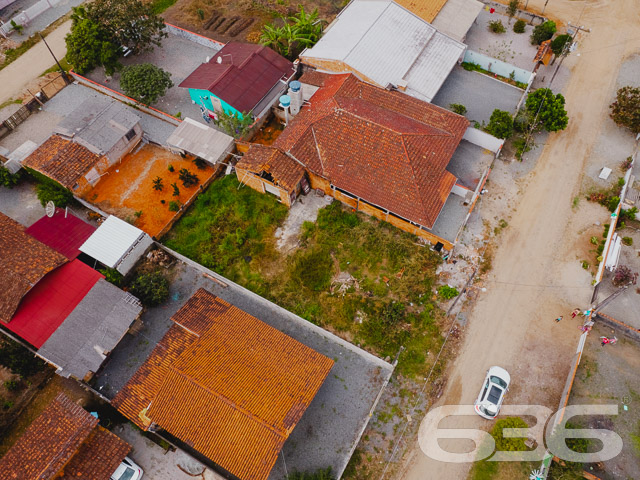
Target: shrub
(19,360)
(151,288)
(519,26)
(176,190)
(500,124)
(521,146)
(12,385)
(625,111)
(612,203)
(628,241)
(512,8)
(496,26)
(112,275)
(200,13)
(17,27)
(170,168)
(320,474)
(626,215)
(200,163)
(626,164)
(543,32)
(312,269)
(174,206)
(447,293)
(50,191)
(145,82)
(458,108)
(508,444)
(157,184)
(623,275)
(188,179)
(8,179)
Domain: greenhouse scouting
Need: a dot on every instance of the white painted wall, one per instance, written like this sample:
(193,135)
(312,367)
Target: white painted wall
(483,139)
(130,259)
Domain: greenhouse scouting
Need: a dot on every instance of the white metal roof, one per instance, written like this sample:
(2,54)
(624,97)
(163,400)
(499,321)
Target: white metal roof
(387,43)
(111,241)
(202,141)
(456,17)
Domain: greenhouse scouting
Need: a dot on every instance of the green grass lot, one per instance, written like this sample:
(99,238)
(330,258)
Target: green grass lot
(231,231)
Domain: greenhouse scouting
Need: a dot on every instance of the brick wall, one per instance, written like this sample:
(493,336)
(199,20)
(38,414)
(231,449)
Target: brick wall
(335,66)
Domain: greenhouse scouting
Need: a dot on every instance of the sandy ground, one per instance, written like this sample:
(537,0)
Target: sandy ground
(535,275)
(35,61)
(304,210)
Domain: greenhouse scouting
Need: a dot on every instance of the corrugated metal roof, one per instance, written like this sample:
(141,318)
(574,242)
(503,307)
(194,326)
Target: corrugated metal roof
(111,241)
(62,232)
(202,141)
(456,17)
(384,42)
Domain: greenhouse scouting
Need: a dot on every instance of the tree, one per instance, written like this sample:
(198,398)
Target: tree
(50,191)
(546,110)
(187,178)
(625,111)
(151,288)
(543,32)
(145,82)
(89,45)
(506,443)
(176,190)
(128,23)
(299,31)
(512,8)
(8,179)
(558,44)
(233,124)
(500,124)
(157,184)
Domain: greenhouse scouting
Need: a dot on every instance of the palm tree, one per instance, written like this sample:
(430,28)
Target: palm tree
(157,184)
(300,30)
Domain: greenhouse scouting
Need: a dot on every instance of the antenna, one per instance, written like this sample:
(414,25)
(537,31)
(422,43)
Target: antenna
(50,209)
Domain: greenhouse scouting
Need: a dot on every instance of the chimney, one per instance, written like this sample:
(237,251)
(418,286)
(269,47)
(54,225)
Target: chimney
(402,85)
(295,93)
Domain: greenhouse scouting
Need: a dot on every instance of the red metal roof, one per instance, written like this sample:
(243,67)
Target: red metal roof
(246,74)
(53,298)
(64,235)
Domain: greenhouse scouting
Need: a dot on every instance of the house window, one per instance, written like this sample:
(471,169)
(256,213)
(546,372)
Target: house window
(130,134)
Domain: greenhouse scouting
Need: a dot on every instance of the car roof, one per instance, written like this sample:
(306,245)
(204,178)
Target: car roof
(499,372)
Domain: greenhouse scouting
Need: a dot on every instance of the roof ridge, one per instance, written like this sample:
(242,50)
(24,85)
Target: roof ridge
(413,177)
(315,141)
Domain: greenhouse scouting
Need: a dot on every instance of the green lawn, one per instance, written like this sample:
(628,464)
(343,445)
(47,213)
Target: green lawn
(230,230)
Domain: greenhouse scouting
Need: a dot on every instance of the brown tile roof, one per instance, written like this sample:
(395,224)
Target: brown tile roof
(227,384)
(383,146)
(49,443)
(97,458)
(23,262)
(284,170)
(425,9)
(62,160)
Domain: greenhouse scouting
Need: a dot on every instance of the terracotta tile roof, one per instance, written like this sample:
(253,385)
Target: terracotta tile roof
(49,443)
(62,160)
(97,458)
(383,146)
(285,171)
(425,9)
(246,74)
(23,262)
(227,384)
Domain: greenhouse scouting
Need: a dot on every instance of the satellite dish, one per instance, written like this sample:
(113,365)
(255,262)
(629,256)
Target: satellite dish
(50,208)
(219,59)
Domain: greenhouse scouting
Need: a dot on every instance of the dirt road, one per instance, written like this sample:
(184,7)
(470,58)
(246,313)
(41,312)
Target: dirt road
(30,65)
(536,276)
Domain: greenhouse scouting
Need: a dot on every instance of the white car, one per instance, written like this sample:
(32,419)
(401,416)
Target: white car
(492,393)
(127,470)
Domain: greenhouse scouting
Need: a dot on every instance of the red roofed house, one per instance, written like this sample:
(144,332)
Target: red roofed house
(381,152)
(240,78)
(64,232)
(65,442)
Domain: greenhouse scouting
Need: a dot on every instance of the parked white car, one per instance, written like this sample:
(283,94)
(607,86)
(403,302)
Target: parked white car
(495,385)
(127,470)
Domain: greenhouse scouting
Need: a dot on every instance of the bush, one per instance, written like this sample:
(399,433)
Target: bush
(626,215)
(320,474)
(512,8)
(187,178)
(625,111)
(170,168)
(174,206)
(519,26)
(12,385)
(558,43)
(626,164)
(50,191)
(521,147)
(157,184)
(508,444)
(628,241)
(145,82)
(200,163)
(458,108)
(500,124)
(112,275)
(151,288)
(623,276)
(19,360)
(612,203)
(8,179)
(446,292)
(176,190)
(312,269)
(496,26)
(543,32)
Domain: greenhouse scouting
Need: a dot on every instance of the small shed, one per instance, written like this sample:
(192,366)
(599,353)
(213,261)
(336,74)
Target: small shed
(201,141)
(117,244)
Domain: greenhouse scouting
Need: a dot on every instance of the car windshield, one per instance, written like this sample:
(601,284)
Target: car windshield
(494,395)
(128,474)
(489,410)
(498,381)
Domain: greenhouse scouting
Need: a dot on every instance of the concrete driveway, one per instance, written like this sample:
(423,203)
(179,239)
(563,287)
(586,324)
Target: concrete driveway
(479,93)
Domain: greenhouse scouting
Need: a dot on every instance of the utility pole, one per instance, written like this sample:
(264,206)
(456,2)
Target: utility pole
(64,74)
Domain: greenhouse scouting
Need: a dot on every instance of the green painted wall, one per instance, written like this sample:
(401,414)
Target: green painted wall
(203,97)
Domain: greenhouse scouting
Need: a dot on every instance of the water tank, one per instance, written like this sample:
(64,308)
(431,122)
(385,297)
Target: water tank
(295,86)
(285,101)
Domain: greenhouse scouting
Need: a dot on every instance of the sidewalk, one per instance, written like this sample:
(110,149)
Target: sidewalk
(35,61)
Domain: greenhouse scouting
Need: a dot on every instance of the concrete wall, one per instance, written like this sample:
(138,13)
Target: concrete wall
(258,184)
(124,146)
(498,66)
(133,255)
(194,37)
(483,139)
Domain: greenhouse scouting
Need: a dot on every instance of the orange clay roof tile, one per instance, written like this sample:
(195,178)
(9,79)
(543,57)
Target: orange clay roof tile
(227,384)
(284,170)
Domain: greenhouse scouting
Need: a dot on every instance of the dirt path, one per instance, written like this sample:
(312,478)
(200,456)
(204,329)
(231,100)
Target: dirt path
(30,65)
(535,274)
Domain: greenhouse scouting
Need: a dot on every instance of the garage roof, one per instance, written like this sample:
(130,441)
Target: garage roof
(202,141)
(456,17)
(112,241)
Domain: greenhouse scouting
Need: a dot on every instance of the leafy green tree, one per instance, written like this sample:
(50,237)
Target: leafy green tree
(546,110)
(151,288)
(157,184)
(500,124)
(233,124)
(8,179)
(145,82)
(625,111)
(558,43)
(543,32)
(512,8)
(50,191)
(19,360)
(128,23)
(299,31)
(89,45)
